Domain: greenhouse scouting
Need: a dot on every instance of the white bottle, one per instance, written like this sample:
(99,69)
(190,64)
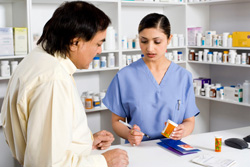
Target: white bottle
(215,54)
(130,43)
(91,65)
(5,68)
(181,40)
(134,58)
(200,55)
(13,66)
(244,58)
(110,39)
(238,59)
(229,41)
(207,90)
(180,56)
(175,40)
(129,60)
(103,62)
(246,92)
(102,95)
(198,39)
(205,55)
(219,57)
(175,55)
(111,60)
(137,42)
(210,56)
(232,56)
(225,36)
(124,42)
(96,62)
(124,60)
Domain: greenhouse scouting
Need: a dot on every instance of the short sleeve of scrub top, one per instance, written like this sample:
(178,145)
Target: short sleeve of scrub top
(134,94)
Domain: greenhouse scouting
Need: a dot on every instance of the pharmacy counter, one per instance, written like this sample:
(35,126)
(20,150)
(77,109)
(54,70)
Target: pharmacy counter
(149,154)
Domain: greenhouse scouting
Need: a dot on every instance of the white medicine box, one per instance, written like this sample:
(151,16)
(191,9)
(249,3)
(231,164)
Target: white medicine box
(6,41)
(20,40)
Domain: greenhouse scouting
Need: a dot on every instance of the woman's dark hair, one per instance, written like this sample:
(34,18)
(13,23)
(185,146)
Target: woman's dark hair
(71,20)
(155,20)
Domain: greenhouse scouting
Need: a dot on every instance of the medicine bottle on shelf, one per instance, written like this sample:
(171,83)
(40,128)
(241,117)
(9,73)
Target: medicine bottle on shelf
(175,40)
(96,62)
(103,62)
(111,60)
(213,92)
(246,91)
(96,102)
(88,102)
(225,57)
(5,68)
(192,55)
(230,41)
(244,58)
(13,66)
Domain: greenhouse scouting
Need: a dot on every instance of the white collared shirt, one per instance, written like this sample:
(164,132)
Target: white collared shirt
(44,121)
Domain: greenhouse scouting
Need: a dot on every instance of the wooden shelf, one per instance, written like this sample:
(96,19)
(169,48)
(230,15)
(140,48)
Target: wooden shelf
(223,101)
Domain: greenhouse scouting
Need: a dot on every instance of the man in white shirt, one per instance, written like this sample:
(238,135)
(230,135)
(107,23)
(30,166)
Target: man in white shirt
(43,118)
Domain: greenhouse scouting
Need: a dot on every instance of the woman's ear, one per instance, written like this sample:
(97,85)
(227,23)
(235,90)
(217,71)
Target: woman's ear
(169,39)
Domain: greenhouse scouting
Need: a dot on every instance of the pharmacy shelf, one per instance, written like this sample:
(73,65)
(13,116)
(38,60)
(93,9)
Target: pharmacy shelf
(11,1)
(1,124)
(220,64)
(179,62)
(221,48)
(150,4)
(217,2)
(95,109)
(110,51)
(96,70)
(223,101)
(4,78)
(12,57)
(96,2)
(131,50)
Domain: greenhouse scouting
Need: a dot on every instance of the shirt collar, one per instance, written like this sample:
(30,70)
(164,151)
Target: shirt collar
(66,63)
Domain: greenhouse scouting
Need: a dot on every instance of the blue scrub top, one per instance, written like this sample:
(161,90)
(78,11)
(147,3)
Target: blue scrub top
(135,94)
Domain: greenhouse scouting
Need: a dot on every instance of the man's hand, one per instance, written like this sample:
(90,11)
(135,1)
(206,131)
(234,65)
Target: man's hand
(116,158)
(102,140)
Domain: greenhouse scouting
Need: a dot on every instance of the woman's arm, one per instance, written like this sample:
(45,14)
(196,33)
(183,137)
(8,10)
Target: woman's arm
(184,129)
(132,135)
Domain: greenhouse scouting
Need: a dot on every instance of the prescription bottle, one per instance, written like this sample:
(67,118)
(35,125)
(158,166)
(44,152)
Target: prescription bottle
(225,57)
(96,62)
(88,102)
(96,102)
(103,62)
(213,92)
(192,55)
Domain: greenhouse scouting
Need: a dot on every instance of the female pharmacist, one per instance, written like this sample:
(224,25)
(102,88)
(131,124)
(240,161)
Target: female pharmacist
(43,119)
(153,89)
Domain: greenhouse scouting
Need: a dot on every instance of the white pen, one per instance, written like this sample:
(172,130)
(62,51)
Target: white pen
(130,126)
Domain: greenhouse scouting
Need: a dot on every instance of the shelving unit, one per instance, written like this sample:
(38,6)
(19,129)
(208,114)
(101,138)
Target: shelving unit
(220,64)
(222,16)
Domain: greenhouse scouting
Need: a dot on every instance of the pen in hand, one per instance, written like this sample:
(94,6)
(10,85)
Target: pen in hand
(130,126)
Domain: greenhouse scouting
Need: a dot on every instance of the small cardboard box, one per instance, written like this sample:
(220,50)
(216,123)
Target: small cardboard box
(20,40)
(6,41)
(241,39)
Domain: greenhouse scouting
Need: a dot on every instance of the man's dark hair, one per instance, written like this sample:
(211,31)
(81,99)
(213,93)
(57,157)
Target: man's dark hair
(71,20)
(155,20)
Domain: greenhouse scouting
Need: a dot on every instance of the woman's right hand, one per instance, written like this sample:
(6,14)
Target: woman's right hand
(135,136)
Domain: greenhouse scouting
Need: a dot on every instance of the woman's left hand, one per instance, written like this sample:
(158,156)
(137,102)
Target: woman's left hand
(178,132)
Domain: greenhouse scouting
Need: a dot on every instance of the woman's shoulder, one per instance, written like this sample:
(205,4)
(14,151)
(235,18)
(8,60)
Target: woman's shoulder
(130,69)
(180,70)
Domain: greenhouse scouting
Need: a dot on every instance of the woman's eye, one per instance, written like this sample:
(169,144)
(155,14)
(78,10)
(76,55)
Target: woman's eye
(99,45)
(143,41)
(157,42)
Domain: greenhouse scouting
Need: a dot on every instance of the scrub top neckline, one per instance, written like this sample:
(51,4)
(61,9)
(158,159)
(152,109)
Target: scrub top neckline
(152,78)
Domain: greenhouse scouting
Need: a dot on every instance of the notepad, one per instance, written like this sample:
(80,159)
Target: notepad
(212,161)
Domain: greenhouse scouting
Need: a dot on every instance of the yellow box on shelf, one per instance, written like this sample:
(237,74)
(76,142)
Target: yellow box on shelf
(241,39)
(20,40)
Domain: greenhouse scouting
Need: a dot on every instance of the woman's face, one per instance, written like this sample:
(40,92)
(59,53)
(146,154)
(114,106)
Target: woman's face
(153,43)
